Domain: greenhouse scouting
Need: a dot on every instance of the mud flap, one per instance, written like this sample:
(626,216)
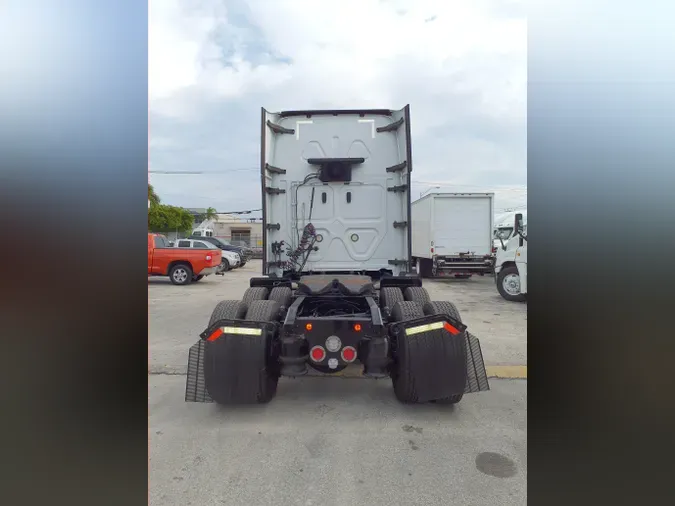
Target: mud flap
(212,342)
(476,374)
(447,359)
(195,386)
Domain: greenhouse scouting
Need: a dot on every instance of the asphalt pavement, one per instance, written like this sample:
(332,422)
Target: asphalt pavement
(335,441)
(338,441)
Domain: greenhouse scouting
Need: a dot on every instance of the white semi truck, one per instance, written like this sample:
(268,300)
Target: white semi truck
(504,227)
(452,234)
(336,289)
(511,263)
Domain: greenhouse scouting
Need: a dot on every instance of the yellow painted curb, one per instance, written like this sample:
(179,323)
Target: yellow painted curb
(507,371)
(493,371)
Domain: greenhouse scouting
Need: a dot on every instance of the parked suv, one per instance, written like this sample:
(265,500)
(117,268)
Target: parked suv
(244,252)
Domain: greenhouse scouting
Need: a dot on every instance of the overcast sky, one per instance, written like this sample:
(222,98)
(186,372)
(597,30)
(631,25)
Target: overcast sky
(461,65)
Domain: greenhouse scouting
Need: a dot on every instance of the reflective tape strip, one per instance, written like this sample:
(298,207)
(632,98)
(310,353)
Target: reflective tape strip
(246,331)
(234,330)
(431,326)
(424,328)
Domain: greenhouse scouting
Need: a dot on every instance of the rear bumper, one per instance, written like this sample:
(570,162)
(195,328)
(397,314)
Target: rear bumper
(209,270)
(454,265)
(466,373)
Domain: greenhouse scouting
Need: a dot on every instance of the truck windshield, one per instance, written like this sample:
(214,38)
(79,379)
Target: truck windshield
(503,233)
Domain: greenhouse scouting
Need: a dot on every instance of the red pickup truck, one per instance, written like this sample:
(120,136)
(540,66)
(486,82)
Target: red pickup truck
(182,265)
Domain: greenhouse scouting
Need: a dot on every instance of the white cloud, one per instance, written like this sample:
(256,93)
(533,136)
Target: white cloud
(464,74)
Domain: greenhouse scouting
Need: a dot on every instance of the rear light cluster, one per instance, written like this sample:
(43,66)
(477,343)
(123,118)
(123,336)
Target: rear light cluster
(318,354)
(333,344)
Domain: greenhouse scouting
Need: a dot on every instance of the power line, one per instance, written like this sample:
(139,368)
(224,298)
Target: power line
(449,185)
(201,172)
(239,212)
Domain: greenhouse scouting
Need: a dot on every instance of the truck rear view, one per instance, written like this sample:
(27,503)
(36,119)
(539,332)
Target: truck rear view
(337,290)
(452,234)
(346,174)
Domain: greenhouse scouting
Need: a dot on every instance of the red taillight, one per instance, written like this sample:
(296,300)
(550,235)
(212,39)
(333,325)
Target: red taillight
(348,354)
(317,353)
(216,334)
(208,257)
(432,250)
(357,327)
(454,331)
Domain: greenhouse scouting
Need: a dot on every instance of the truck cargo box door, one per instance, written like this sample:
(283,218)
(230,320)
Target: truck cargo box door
(462,224)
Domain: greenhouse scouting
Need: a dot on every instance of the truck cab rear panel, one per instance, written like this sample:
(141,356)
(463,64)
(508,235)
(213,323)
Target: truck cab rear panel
(348,174)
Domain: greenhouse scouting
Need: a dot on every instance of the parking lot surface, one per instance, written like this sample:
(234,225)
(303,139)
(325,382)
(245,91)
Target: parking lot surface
(338,441)
(335,441)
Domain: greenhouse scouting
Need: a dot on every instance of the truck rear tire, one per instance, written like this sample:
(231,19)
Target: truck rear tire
(406,310)
(180,274)
(281,294)
(508,284)
(389,296)
(228,310)
(255,293)
(416,294)
(422,361)
(263,311)
(442,307)
(241,370)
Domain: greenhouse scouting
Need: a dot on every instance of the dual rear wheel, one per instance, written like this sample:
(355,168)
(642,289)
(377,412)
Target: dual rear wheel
(429,364)
(242,369)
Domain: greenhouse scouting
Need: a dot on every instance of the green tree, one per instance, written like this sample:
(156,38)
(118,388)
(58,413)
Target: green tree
(163,218)
(152,196)
(209,214)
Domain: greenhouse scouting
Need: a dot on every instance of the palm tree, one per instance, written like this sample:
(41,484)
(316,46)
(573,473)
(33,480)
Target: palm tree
(153,198)
(211,214)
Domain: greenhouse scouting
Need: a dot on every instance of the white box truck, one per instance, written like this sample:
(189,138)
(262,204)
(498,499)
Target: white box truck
(452,234)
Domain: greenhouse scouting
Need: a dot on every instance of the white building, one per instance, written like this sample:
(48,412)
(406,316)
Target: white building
(235,228)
